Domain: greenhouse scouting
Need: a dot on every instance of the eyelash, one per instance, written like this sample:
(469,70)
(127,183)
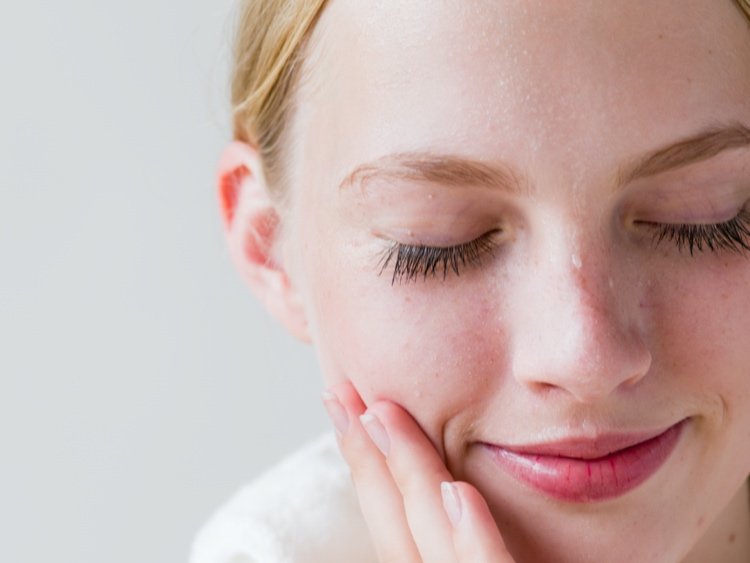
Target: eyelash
(411,262)
(415,261)
(732,235)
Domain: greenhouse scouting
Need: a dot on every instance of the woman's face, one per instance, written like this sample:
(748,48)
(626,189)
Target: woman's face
(537,135)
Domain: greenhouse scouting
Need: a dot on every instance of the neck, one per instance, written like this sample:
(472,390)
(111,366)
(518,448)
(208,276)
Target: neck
(728,537)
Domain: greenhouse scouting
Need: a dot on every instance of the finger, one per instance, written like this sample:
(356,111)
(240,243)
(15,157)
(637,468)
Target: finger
(418,470)
(476,538)
(379,498)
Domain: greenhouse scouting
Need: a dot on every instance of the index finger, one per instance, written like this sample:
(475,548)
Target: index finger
(379,498)
(418,471)
(476,537)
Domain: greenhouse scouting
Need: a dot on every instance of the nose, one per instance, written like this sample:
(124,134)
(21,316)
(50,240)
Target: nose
(576,331)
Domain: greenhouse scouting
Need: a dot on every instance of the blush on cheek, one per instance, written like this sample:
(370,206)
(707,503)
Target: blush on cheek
(699,340)
(434,355)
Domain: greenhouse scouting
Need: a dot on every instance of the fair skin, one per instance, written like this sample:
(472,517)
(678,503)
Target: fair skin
(574,324)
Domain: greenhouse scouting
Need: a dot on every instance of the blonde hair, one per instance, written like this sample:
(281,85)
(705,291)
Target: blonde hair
(268,53)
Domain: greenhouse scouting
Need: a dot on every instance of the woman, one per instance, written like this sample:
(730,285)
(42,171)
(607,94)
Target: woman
(517,233)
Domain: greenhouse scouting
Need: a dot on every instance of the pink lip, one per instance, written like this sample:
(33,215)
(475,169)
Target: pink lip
(581,470)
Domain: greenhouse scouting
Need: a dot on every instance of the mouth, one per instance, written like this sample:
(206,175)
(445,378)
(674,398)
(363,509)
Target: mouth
(588,470)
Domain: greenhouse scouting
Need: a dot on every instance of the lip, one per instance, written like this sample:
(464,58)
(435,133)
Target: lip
(587,470)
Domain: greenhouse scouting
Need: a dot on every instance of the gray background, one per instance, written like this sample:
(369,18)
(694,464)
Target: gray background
(140,383)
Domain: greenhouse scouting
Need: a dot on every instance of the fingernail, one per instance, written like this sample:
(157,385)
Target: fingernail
(376,431)
(336,411)
(451,502)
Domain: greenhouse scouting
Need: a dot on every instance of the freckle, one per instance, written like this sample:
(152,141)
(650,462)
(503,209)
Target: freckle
(700,521)
(732,537)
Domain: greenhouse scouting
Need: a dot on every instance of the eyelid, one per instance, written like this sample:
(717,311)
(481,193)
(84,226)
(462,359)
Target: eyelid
(711,216)
(714,196)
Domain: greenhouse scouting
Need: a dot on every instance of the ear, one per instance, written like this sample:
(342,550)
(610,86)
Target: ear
(251,225)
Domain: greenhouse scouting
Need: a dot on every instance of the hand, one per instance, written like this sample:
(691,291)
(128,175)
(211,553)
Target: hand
(414,510)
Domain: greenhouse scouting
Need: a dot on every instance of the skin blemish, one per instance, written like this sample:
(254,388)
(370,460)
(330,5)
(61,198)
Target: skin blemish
(576,259)
(732,537)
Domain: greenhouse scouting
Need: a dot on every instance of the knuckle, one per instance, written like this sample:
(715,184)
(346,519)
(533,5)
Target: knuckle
(359,454)
(414,485)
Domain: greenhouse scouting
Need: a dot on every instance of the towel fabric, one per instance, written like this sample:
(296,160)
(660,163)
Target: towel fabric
(304,510)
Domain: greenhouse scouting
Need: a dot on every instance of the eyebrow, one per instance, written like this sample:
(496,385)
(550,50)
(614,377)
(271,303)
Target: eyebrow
(697,148)
(426,166)
(456,171)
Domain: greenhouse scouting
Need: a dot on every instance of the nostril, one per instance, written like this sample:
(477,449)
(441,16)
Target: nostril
(544,388)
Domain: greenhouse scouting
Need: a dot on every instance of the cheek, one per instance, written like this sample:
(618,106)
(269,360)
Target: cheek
(702,328)
(432,347)
(701,346)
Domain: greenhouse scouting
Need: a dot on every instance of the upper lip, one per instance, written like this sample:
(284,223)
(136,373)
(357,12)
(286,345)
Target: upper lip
(585,447)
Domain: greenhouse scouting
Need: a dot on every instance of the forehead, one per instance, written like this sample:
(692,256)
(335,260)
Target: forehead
(574,83)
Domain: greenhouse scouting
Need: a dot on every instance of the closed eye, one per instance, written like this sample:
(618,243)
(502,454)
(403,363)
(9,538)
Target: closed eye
(411,262)
(731,236)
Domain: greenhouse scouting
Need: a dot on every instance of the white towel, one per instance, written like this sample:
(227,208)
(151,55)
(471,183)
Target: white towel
(304,510)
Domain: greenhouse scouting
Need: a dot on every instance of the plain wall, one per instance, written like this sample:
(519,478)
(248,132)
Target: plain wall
(140,383)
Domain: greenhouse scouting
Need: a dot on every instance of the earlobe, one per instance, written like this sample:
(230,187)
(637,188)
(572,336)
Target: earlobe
(251,224)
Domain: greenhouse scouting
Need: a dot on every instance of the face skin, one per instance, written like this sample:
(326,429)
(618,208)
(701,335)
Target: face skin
(575,324)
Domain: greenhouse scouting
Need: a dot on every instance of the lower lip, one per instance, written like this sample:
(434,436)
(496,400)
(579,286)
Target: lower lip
(589,480)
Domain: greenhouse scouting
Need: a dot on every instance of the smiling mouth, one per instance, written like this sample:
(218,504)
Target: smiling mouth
(579,470)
